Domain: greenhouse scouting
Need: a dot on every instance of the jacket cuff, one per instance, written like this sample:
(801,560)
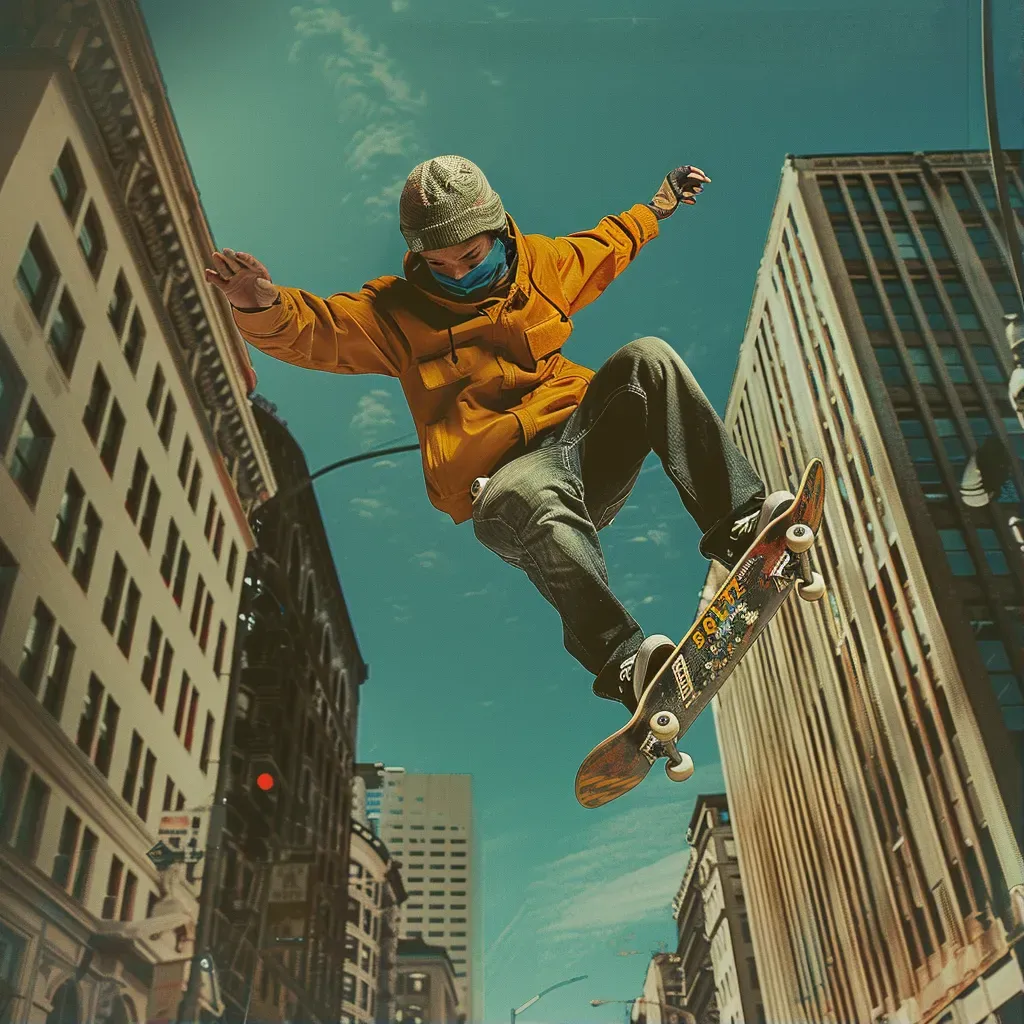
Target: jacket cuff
(649,224)
(265,323)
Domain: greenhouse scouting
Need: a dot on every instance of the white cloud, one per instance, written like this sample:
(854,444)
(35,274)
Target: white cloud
(427,559)
(373,412)
(378,104)
(384,204)
(492,79)
(385,464)
(366,507)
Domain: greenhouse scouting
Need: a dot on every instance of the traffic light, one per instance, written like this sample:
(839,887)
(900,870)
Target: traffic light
(264,789)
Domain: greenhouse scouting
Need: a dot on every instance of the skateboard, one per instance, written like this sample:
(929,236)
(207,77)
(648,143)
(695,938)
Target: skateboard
(724,631)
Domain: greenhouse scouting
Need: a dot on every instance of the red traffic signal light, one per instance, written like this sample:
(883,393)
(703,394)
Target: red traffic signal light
(265,781)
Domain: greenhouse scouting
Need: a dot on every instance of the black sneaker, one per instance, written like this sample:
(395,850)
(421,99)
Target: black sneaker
(627,680)
(727,541)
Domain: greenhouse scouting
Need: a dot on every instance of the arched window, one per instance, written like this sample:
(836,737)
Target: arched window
(65,1005)
(325,645)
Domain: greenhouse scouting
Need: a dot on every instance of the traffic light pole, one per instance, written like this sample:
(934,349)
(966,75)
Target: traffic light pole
(188,1008)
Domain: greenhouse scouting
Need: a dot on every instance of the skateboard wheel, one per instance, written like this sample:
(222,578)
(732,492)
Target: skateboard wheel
(799,537)
(813,591)
(664,725)
(682,771)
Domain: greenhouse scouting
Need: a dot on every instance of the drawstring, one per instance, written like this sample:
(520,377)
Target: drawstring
(451,342)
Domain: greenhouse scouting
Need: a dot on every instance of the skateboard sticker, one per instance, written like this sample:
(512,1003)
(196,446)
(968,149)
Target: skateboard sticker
(648,747)
(681,674)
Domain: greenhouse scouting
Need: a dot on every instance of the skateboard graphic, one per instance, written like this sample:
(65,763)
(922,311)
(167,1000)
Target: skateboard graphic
(724,631)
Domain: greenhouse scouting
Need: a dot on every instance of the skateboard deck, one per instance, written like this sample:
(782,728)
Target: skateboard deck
(724,631)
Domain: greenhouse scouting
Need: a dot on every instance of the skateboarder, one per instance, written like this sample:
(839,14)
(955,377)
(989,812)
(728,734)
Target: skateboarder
(474,333)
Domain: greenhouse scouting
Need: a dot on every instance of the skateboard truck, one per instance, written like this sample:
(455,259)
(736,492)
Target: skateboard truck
(665,728)
(811,585)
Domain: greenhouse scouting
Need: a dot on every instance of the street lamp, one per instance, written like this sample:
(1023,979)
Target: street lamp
(679,1015)
(530,1002)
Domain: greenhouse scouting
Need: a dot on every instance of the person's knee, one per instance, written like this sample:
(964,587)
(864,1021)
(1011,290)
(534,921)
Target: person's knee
(649,351)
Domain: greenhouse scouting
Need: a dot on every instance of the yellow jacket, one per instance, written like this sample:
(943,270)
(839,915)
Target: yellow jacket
(479,377)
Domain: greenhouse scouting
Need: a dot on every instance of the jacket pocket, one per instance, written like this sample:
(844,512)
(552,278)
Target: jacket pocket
(548,336)
(440,372)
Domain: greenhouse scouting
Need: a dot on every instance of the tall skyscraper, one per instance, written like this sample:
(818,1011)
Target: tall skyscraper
(427,822)
(129,459)
(872,741)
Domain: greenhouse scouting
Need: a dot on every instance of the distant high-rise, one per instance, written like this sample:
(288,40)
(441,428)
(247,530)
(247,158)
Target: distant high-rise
(872,741)
(427,822)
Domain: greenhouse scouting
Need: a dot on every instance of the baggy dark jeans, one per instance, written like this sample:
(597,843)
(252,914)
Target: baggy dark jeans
(542,510)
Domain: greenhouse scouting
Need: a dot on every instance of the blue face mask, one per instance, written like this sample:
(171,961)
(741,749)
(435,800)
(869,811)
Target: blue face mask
(486,272)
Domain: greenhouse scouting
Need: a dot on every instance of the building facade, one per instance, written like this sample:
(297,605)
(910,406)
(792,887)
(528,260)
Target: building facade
(696,971)
(130,459)
(283,898)
(426,821)
(427,991)
(872,741)
(375,896)
(661,1001)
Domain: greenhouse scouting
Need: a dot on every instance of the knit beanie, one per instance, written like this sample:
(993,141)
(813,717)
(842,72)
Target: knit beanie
(446,201)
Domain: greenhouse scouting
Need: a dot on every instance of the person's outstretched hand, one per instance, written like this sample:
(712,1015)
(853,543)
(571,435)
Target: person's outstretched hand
(682,185)
(244,281)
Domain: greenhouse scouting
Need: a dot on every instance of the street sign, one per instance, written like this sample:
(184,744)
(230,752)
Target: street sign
(181,832)
(163,856)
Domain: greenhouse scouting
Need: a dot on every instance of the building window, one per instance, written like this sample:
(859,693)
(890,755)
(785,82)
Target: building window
(37,274)
(936,243)
(204,755)
(66,332)
(133,343)
(58,669)
(8,575)
(889,363)
(156,392)
(112,438)
(35,646)
(128,899)
(195,486)
(831,195)
(877,244)
(12,784)
(955,545)
(67,846)
(916,199)
(185,462)
(870,306)
(167,422)
(92,241)
(170,551)
(921,361)
(120,303)
(150,513)
(67,181)
(146,789)
(126,633)
(923,457)
(232,564)
(140,473)
(115,591)
(218,654)
(929,299)
(963,306)
(85,549)
(12,390)
(164,679)
(179,714)
(86,859)
(181,576)
(994,554)
(68,512)
(31,452)
(113,889)
(952,443)
(96,407)
(988,364)
(197,604)
(849,247)
(1006,291)
(149,662)
(33,811)
(954,363)
(218,537)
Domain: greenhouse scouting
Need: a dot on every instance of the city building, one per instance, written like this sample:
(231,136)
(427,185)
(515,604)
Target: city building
(279,935)
(375,895)
(715,955)
(130,460)
(872,741)
(661,1001)
(426,821)
(426,985)
(696,971)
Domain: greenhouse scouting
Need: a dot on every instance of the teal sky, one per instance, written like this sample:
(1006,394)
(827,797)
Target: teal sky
(301,123)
